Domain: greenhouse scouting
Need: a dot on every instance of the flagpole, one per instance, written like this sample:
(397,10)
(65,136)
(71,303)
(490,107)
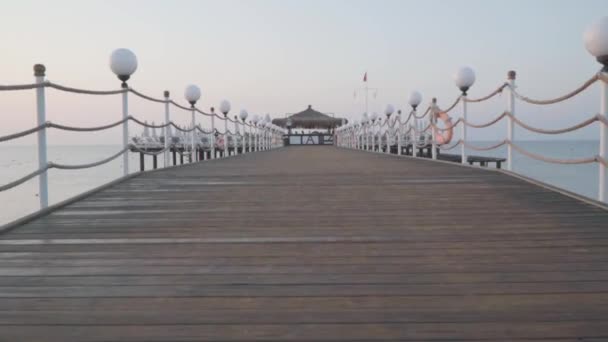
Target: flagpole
(366,98)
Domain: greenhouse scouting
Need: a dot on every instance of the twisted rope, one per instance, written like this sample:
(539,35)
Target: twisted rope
(489,96)
(200,129)
(23,179)
(486,148)
(585,123)
(21,86)
(201,112)
(182,129)
(428,109)
(86,166)
(145,124)
(586,160)
(86,129)
(408,118)
(179,106)
(146,97)
(23,133)
(84,91)
(450,107)
(489,123)
(573,93)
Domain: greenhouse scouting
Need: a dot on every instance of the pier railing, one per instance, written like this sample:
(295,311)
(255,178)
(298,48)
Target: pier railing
(422,130)
(262,134)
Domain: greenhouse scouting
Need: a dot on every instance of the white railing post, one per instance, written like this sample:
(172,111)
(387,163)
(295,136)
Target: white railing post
(250,137)
(510,127)
(603,175)
(192,136)
(432,122)
(236,135)
(166,129)
(463,136)
(226,150)
(212,133)
(414,134)
(125,128)
(399,132)
(43,185)
(387,132)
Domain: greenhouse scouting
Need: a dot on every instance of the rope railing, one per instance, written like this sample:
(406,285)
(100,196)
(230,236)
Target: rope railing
(585,160)
(15,87)
(23,179)
(267,141)
(426,111)
(434,112)
(567,96)
(484,148)
(89,165)
(451,107)
(86,129)
(59,166)
(22,133)
(146,97)
(489,96)
(83,91)
(572,128)
(487,124)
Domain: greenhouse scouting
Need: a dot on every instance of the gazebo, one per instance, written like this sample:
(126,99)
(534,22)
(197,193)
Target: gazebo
(310,119)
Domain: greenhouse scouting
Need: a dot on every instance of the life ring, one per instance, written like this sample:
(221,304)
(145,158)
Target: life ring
(444,136)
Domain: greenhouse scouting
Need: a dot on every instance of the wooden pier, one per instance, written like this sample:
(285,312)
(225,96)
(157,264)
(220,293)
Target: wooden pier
(310,243)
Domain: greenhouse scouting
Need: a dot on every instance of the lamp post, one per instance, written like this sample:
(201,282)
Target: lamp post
(464,78)
(388,111)
(596,42)
(243,115)
(123,64)
(225,109)
(268,125)
(43,184)
(236,135)
(166,129)
(374,118)
(364,122)
(213,132)
(414,101)
(192,94)
(255,120)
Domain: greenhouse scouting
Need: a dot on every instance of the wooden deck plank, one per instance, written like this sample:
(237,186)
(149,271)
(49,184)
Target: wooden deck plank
(310,243)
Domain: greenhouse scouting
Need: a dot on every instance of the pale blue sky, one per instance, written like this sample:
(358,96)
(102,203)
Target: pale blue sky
(280,56)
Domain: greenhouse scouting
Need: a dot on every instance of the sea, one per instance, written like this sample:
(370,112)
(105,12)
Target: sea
(16,161)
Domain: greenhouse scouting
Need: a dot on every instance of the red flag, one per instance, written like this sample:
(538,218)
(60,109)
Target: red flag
(365,77)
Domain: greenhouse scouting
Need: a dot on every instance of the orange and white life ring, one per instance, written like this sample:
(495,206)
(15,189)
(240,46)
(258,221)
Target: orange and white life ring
(444,136)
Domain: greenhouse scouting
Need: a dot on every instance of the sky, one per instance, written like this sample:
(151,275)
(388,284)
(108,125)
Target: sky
(280,56)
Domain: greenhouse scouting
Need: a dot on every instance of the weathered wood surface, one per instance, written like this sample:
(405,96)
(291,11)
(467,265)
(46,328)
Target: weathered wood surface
(310,243)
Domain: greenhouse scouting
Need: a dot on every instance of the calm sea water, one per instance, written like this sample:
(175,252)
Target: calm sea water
(16,161)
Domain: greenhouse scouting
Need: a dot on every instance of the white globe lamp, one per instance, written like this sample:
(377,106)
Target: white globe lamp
(415,99)
(243,115)
(123,64)
(464,79)
(390,109)
(596,41)
(225,107)
(192,94)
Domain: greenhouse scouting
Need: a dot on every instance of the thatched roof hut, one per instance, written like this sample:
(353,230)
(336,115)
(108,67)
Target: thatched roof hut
(310,119)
